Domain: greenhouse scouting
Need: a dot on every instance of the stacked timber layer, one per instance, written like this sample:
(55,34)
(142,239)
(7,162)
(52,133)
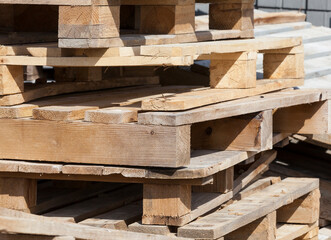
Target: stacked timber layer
(268,209)
(232,68)
(104,24)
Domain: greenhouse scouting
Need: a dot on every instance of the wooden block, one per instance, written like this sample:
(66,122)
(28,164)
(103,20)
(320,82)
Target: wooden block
(165,201)
(263,228)
(18,193)
(312,118)
(284,63)
(303,210)
(97,143)
(61,113)
(11,79)
(172,19)
(151,229)
(233,70)
(89,21)
(222,182)
(252,132)
(226,15)
(112,115)
(309,235)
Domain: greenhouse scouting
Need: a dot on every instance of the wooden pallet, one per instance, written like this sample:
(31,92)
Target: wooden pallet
(205,184)
(72,132)
(104,24)
(292,204)
(232,67)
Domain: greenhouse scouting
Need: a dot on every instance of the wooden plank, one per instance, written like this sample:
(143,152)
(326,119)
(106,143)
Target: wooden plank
(18,193)
(203,164)
(86,209)
(150,229)
(248,209)
(293,231)
(205,48)
(248,132)
(61,113)
(304,210)
(307,119)
(95,143)
(118,218)
(97,61)
(262,18)
(262,228)
(233,108)
(112,115)
(165,201)
(33,237)
(16,222)
(190,100)
(258,167)
(46,90)
(58,2)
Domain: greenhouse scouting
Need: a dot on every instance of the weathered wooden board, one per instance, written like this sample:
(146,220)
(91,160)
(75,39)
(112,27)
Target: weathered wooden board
(248,209)
(95,143)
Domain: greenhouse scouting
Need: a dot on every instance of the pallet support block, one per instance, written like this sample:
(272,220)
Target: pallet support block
(162,203)
(311,235)
(168,19)
(18,193)
(88,22)
(262,228)
(312,118)
(222,182)
(232,14)
(304,210)
(233,70)
(285,63)
(251,132)
(11,79)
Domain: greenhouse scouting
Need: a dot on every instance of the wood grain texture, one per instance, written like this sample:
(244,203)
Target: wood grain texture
(249,209)
(237,70)
(165,201)
(235,107)
(249,132)
(304,210)
(305,118)
(95,143)
(88,21)
(190,100)
(18,193)
(172,19)
(262,228)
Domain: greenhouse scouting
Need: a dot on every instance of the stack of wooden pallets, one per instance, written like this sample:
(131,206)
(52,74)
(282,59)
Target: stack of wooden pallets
(194,149)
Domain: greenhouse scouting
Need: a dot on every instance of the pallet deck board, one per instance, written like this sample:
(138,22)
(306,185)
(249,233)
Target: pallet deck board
(235,107)
(244,211)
